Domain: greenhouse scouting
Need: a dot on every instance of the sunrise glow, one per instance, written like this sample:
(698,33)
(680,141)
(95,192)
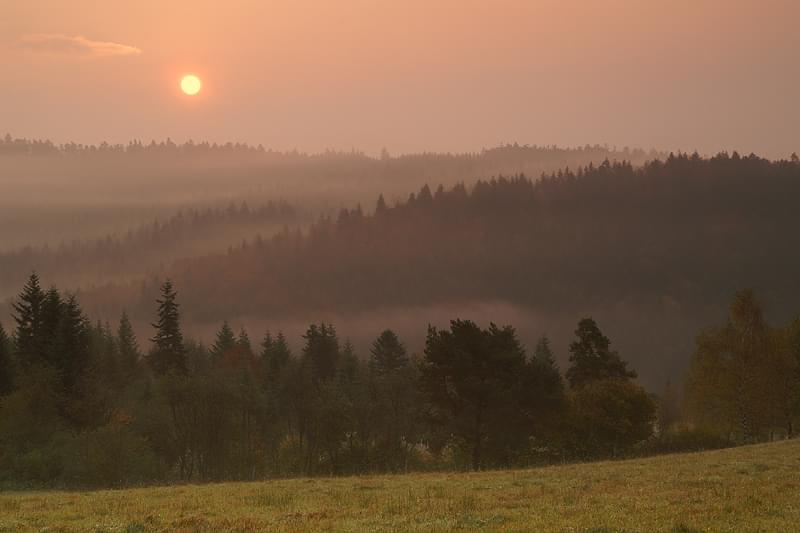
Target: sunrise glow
(191,84)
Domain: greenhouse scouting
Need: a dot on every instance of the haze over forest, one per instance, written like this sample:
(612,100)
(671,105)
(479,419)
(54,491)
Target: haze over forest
(531,236)
(261,239)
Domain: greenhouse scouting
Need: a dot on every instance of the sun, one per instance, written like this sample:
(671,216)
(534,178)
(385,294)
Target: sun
(191,84)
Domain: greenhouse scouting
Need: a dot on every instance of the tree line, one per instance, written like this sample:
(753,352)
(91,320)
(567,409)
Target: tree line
(83,404)
(146,248)
(670,240)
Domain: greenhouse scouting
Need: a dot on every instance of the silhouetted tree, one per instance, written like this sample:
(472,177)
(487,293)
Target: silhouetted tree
(168,354)
(395,402)
(473,380)
(591,357)
(243,343)
(388,354)
(322,350)
(224,342)
(275,353)
(129,352)
(30,336)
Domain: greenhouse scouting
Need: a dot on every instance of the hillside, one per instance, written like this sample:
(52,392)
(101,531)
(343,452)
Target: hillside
(752,488)
(654,253)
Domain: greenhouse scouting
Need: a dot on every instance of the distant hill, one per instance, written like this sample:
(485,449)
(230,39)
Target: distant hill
(657,250)
(54,194)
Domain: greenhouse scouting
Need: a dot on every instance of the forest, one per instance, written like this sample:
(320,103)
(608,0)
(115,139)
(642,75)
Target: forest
(663,246)
(97,190)
(111,384)
(82,404)
(143,250)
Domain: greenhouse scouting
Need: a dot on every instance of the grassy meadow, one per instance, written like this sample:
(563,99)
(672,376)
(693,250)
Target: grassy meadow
(752,488)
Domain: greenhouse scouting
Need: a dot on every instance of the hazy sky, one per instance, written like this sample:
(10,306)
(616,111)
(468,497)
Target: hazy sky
(409,75)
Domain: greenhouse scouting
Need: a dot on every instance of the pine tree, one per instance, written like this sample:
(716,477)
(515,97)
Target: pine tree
(29,334)
(168,354)
(591,357)
(224,342)
(473,380)
(387,353)
(129,352)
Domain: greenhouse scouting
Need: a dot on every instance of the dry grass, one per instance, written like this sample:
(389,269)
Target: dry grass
(754,488)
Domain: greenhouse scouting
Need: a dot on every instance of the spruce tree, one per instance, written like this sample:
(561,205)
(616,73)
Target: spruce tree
(380,206)
(129,352)
(224,342)
(51,315)
(543,354)
(244,344)
(275,354)
(169,353)
(29,334)
(388,354)
(70,344)
(322,350)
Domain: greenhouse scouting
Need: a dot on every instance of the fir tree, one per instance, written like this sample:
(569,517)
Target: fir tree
(29,334)
(380,205)
(168,354)
(388,354)
(543,354)
(129,352)
(276,354)
(244,344)
(224,342)
(322,350)
(70,347)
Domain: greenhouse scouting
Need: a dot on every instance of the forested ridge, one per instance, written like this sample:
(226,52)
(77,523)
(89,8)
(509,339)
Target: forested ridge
(96,190)
(666,245)
(146,249)
(686,229)
(83,402)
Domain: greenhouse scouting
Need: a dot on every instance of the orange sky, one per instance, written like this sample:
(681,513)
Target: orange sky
(409,75)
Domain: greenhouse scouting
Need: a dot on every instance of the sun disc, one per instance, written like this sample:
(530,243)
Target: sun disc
(191,84)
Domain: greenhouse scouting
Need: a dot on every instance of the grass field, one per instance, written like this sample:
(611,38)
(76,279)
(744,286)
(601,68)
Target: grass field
(753,488)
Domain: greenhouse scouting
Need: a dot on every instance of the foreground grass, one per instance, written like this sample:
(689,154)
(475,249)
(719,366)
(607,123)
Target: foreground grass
(753,488)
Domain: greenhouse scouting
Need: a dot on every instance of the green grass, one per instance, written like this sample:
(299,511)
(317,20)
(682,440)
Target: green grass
(753,488)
